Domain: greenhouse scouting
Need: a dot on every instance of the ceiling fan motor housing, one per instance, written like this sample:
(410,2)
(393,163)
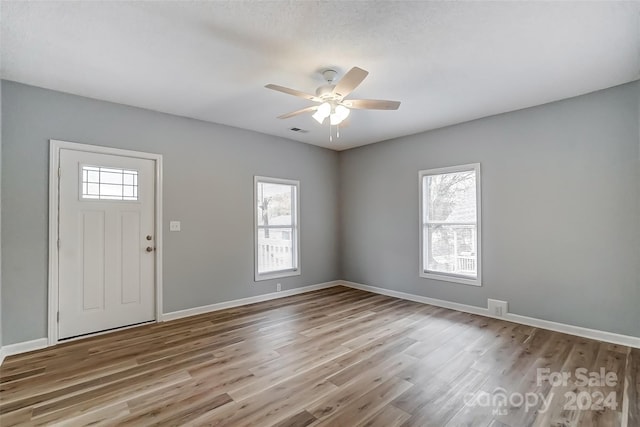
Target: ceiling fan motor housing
(325,92)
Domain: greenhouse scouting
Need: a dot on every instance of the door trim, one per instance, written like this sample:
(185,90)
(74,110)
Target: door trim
(54,157)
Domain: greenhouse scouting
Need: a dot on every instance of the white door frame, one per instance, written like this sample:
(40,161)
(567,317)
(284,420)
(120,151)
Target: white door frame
(54,157)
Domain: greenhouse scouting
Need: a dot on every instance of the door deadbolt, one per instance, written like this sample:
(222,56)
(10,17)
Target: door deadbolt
(149,237)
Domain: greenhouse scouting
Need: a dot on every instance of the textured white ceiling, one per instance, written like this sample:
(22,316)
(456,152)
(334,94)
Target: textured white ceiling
(448,62)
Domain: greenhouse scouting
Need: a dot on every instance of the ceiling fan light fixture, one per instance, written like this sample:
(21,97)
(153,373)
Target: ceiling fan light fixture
(323,111)
(341,113)
(318,118)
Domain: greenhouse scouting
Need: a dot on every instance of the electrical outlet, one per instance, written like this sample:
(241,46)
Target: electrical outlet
(497,307)
(278,287)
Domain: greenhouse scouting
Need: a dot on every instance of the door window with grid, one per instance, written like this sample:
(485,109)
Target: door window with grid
(277,229)
(105,183)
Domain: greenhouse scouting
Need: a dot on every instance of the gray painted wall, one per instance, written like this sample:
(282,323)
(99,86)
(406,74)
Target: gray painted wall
(560,210)
(208,185)
(560,192)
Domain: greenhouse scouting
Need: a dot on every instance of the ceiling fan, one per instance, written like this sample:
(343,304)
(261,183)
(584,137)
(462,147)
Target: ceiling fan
(331,97)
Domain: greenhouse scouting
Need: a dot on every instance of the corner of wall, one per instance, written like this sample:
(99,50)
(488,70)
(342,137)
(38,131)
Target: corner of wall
(339,219)
(1,354)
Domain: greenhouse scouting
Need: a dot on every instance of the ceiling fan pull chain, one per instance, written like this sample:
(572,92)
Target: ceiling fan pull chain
(330,134)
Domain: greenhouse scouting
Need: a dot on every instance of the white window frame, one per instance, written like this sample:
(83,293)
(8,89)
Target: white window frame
(295,229)
(448,277)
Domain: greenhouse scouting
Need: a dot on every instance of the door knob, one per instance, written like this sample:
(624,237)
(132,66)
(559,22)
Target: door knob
(149,249)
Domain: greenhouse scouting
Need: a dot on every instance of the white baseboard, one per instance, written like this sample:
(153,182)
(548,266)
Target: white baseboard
(21,347)
(244,301)
(417,298)
(26,346)
(594,334)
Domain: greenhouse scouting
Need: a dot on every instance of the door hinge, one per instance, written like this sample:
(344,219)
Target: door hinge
(58,243)
(58,317)
(59,172)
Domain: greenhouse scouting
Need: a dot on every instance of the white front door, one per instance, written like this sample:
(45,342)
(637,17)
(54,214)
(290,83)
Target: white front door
(106,250)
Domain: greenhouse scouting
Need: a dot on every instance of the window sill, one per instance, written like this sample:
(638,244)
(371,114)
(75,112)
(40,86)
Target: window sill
(450,278)
(276,274)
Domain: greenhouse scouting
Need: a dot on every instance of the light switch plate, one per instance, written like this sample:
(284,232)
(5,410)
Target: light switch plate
(174,225)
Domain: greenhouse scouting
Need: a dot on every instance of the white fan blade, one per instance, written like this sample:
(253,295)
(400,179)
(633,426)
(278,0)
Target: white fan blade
(371,104)
(294,92)
(295,113)
(350,81)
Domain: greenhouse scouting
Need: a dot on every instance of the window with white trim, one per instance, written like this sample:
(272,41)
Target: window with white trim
(450,224)
(277,236)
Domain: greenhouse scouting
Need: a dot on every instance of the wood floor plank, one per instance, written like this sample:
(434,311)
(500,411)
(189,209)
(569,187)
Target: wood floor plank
(544,350)
(385,325)
(473,416)
(367,405)
(388,416)
(372,362)
(63,377)
(18,417)
(603,415)
(438,406)
(334,357)
(283,371)
(180,410)
(632,389)
(276,402)
(301,419)
(36,372)
(113,381)
(78,404)
(100,416)
(367,378)
(583,355)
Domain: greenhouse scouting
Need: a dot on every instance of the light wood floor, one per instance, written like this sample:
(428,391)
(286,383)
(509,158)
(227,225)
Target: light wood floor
(336,357)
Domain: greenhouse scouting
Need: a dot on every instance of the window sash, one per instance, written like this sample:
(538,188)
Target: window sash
(462,260)
(427,224)
(463,224)
(291,253)
(289,249)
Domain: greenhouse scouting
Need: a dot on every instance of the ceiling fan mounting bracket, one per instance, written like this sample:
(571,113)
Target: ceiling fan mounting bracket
(329,75)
